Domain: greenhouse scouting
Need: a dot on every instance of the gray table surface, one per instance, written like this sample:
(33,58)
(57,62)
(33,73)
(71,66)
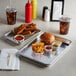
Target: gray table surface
(66,66)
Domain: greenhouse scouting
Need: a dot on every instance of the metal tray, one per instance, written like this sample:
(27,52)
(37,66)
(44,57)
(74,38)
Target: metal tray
(10,37)
(28,53)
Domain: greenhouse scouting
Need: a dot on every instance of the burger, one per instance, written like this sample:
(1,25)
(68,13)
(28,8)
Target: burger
(48,38)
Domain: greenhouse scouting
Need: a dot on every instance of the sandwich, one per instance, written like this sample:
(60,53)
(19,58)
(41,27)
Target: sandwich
(47,38)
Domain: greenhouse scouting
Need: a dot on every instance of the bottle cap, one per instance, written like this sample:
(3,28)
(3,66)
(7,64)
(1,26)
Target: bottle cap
(34,1)
(28,4)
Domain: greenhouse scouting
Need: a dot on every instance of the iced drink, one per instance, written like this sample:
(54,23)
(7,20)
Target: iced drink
(64,25)
(11,15)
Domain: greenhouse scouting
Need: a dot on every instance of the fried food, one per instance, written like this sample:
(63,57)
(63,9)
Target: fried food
(19,29)
(31,27)
(38,47)
(25,32)
(25,29)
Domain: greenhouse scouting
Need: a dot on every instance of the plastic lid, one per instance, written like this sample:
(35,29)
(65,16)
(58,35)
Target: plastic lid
(11,10)
(65,19)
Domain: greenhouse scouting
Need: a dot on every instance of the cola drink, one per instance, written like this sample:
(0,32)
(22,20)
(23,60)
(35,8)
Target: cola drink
(64,25)
(11,15)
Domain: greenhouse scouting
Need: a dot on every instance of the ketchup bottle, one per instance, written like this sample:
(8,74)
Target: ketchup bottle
(28,12)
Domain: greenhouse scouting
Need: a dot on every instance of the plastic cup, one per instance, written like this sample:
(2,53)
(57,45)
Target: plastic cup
(11,15)
(64,25)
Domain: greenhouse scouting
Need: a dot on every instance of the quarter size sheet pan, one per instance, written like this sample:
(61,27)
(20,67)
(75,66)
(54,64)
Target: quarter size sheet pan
(27,52)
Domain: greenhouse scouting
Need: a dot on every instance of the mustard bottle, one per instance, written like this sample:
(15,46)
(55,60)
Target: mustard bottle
(34,9)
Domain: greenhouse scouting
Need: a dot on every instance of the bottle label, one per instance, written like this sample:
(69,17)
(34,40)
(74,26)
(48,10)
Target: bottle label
(57,10)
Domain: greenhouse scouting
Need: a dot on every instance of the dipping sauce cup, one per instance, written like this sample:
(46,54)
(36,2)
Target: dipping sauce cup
(48,50)
(64,25)
(11,15)
(19,38)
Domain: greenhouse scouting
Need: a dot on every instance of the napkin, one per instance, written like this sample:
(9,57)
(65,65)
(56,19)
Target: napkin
(9,60)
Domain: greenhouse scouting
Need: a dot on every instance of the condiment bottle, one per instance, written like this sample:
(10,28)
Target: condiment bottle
(43,13)
(47,15)
(28,12)
(34,9)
